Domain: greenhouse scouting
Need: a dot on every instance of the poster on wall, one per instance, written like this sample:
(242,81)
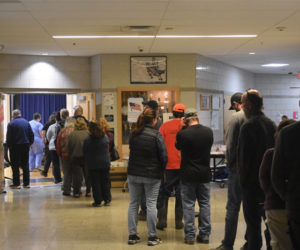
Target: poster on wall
(135,108)
(295,115)
(214,124)
(109,118)
(148,69)
(108,101)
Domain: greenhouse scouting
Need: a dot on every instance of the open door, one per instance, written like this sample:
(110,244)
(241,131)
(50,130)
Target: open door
(86,100)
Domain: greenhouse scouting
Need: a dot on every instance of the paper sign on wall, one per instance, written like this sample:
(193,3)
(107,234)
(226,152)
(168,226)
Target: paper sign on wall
(135,108)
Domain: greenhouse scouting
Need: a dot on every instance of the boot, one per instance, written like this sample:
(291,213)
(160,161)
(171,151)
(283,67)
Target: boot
(178,214)
(162,214)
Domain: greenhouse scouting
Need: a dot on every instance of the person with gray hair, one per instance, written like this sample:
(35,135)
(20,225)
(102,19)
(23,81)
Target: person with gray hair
(19,137)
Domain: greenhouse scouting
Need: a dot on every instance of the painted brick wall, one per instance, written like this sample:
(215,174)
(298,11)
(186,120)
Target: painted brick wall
(279,97)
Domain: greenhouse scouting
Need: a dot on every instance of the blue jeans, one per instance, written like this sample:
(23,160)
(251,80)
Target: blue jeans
(137,185)
(189,193)
(234,199)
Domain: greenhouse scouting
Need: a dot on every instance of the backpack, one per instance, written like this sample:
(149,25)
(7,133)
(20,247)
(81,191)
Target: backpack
(58,127)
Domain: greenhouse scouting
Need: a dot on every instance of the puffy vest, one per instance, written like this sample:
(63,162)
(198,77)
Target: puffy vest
(143,158)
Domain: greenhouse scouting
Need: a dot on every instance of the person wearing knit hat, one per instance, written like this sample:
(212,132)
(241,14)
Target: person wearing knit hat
(172,173)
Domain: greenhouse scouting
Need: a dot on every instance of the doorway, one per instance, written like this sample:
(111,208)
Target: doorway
(166,98)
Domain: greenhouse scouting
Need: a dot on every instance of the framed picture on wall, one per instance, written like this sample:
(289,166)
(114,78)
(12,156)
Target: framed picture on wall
(148,69)
(205,102)
(215,102)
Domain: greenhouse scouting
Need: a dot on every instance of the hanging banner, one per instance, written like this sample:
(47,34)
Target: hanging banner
(135,108)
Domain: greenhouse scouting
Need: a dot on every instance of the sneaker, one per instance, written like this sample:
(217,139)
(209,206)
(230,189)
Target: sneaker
(43,174)
(152,241)
(96,204)
(133,239)
(14,187)
(203,239)
(107,203)
(189,241)
(26,186)
(222,247)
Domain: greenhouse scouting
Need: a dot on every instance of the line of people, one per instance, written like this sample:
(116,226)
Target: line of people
(73,144)
(267,189)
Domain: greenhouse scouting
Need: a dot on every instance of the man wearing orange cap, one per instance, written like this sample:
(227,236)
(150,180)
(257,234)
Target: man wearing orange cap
(169,131)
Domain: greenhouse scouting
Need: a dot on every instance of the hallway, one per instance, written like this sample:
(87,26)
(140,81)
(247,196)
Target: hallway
(41,218)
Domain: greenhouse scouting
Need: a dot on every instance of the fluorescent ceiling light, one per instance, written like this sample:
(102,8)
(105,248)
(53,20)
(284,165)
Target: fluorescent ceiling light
(205,36)
(93,37)
(45,54)
(158,36)
(251,53)
(201,68)
(275,65)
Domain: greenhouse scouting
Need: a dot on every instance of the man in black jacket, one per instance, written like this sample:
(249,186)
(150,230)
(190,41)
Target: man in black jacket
(195,143)
(256,136)
(286,175)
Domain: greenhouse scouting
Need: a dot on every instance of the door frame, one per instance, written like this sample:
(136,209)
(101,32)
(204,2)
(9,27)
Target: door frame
(119,106)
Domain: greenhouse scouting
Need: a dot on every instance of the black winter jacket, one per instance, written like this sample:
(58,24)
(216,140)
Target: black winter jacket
(286,168)
(148,155)
(256,136)
(95,152)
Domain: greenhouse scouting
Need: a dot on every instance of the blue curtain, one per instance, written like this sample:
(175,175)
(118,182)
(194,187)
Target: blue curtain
(45,104)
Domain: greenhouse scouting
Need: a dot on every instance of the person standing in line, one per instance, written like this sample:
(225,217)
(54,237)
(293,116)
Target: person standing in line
(195,141)
(104,125)
(36,149)
(169,131)
(75,143)
(256,136)
(274,205)
(51,137)
(78,113)
(97,161)
(147,161)
(19,137)
(63,153)
(47,152)
(285,176)
(152,105)
(234,194)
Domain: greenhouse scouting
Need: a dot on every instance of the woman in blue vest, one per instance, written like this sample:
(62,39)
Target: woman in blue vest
(147,161)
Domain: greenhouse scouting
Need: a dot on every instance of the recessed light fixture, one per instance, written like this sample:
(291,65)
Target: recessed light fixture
(274,65)
(45,54)
(158,36)
(251,53)
(201,68)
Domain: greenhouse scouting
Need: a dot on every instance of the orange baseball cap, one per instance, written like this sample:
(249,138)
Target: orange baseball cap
(179,108)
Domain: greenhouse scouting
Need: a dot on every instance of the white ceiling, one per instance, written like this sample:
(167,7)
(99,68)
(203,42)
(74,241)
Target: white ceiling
(27,27)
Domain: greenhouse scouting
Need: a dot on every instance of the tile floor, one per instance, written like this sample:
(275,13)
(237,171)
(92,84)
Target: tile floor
(41,218)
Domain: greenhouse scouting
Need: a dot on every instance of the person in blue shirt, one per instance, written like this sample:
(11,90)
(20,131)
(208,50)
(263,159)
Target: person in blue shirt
(36,149)
(19,137)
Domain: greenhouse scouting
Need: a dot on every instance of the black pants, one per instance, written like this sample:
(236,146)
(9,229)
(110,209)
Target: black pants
(294,230)
(254,214)
(172,182)
(56,167)
(100,180)
(48,160)
(19,157)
